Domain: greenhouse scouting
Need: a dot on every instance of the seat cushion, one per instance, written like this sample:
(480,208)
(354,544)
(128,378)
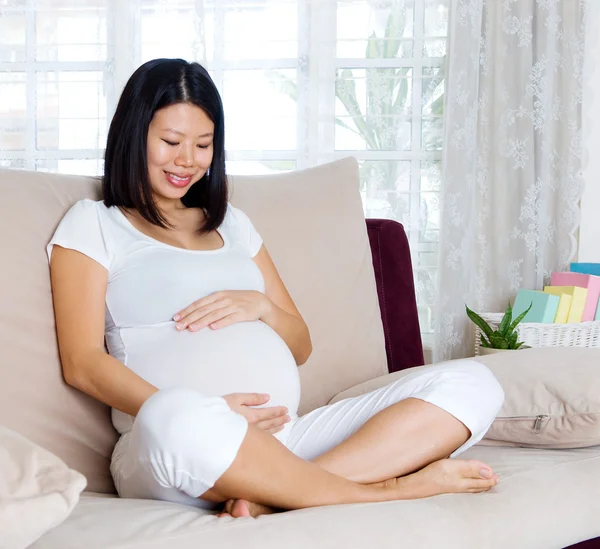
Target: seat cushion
(545,498)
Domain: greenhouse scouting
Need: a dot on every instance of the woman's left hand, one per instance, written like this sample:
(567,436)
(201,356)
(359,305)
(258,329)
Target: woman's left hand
(222,309)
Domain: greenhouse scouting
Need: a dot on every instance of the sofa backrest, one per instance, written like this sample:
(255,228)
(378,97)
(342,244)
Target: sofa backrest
(312,223)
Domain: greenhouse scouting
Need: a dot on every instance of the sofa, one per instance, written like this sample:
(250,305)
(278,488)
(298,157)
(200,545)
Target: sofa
(353,283)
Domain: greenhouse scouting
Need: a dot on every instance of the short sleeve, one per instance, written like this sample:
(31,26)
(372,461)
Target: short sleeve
(81,230)
(246,230)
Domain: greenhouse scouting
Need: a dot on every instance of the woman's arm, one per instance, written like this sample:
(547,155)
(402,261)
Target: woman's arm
(79,292)
(281,313)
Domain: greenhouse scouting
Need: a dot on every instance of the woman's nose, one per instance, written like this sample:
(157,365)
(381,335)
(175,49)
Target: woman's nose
(184,158)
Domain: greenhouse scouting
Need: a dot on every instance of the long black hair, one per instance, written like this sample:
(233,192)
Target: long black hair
(153,86)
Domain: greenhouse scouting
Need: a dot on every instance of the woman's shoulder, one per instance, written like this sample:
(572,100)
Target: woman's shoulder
(86,214)
(234,215)
(88,206)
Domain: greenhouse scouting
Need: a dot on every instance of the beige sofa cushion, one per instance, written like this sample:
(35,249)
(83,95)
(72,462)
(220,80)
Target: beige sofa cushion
(37,490)
(552,397)
(34,400)
(312,223)
(545,499)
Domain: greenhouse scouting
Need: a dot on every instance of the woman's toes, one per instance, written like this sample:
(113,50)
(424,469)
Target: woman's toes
(478,469)
(481,485)
(240,508)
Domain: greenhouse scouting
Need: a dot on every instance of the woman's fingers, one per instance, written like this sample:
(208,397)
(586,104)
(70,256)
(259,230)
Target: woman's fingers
(273,425)
(197,314)
(209,318)
(266,414)
(211,298)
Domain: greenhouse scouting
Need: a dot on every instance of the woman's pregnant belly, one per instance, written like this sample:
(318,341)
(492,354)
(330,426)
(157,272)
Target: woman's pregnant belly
(247,357)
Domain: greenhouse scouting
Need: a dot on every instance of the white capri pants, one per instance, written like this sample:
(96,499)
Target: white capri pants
(182,441)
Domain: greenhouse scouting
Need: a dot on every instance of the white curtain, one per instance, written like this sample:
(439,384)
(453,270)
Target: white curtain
(512,158)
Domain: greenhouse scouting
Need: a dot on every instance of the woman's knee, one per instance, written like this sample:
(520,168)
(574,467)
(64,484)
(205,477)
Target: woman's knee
(487,393)
(185,436)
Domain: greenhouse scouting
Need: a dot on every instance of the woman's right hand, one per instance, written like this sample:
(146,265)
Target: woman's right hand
(271,419)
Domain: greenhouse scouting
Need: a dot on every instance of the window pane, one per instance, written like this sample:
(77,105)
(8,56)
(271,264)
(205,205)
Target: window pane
(432,99)
(260,109)
(64,120)
(432,133)
(70,94)
(174,30)
(13,134)
(13,163)
(436,17)
(429,217)
(372,106)
(261,30)
(431,175)
(385,175)
(70,34)
(434,48)
(259,167)
(12,37)
(13,111)
(83,166)
(375,29)
(64,133)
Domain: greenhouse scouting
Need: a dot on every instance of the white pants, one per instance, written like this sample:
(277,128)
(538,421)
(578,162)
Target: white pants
(182,441)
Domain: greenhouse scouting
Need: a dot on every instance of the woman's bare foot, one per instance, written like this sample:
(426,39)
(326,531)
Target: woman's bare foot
(238,508)
(445,476)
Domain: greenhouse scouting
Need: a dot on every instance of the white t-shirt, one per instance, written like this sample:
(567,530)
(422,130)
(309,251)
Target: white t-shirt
(149,281)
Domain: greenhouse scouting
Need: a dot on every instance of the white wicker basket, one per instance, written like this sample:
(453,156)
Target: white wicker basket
(536,334)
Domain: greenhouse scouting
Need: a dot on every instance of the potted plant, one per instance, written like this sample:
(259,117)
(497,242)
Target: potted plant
(504,338)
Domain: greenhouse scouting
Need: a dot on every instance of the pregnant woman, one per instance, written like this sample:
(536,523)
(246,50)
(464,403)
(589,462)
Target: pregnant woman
(204,340)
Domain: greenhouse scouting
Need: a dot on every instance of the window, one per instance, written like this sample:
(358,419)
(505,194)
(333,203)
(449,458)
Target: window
(303,82)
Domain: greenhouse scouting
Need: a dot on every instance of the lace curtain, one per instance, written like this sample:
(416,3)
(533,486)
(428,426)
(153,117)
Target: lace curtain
(512,158)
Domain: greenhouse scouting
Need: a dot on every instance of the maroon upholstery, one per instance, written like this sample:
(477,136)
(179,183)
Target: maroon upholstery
(589,544)
(396,291)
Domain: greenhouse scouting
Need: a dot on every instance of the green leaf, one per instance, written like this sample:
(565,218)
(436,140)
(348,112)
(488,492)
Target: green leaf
(498,342)
(484,341)
(482,324)
(340,122)
(512,340)
(519,318)
(373,47)
(346,93)
(394,30)
(506,320)
(283,83)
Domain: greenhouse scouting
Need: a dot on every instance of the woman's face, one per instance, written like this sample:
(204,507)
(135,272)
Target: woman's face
(180,149)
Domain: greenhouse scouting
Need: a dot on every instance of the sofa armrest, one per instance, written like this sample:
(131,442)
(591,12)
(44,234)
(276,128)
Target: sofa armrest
(396,292)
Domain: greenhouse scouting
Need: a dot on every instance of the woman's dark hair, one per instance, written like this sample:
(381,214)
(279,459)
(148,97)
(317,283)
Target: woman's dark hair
(153,86)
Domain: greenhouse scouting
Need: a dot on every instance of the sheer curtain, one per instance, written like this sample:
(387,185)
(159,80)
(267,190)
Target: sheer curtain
(512,156)
(303,82)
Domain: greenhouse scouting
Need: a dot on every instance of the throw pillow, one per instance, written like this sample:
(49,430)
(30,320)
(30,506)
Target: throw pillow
(37,490)
(552,397)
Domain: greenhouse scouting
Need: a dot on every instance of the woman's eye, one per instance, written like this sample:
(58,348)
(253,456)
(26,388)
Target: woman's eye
(170,143)
(204,146)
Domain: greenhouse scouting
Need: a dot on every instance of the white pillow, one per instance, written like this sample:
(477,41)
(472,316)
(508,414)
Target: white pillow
(37,490)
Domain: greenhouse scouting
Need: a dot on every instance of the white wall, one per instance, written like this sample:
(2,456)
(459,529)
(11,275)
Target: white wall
(589,232)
